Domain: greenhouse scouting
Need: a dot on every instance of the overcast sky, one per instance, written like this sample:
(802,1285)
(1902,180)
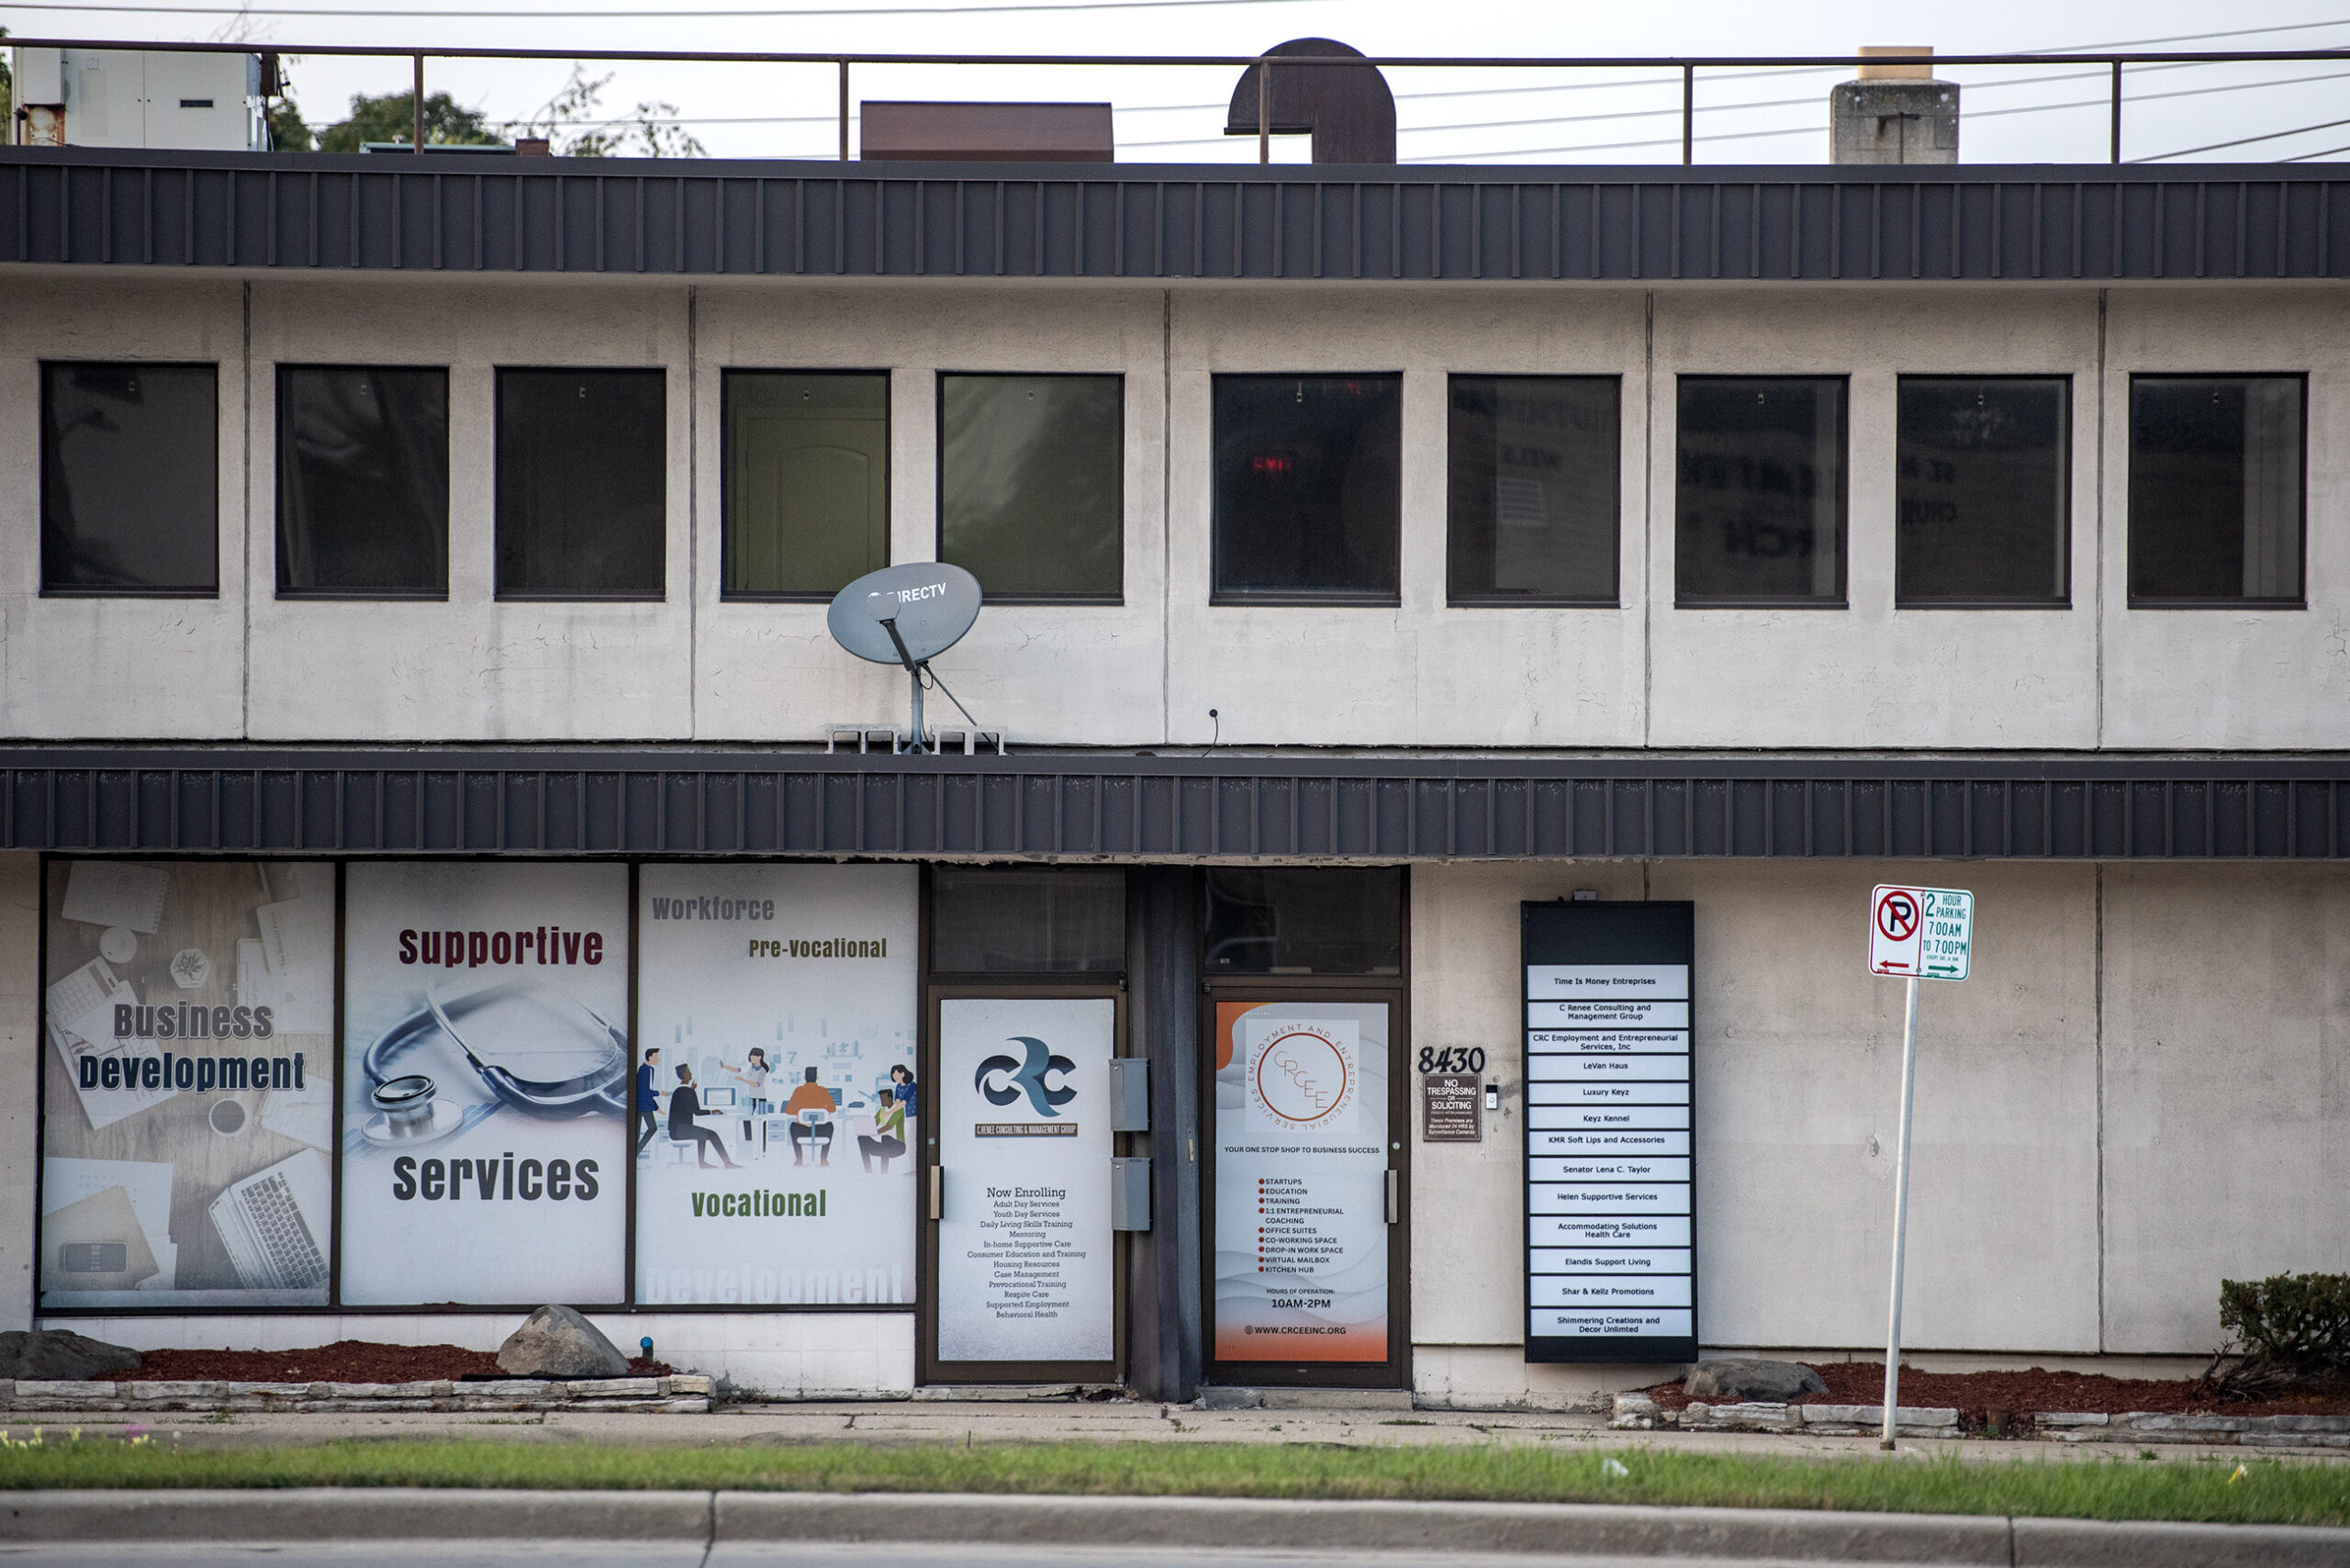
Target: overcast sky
(2010,114)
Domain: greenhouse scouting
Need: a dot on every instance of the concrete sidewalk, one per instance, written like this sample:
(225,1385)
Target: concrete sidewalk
(903,1422)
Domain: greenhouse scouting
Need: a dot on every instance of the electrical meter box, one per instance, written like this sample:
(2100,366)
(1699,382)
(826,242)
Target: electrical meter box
(195,100)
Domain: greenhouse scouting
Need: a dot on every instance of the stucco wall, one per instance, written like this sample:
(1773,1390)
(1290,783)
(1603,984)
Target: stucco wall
(1147,670)
(2227,1074)
(2140,1092)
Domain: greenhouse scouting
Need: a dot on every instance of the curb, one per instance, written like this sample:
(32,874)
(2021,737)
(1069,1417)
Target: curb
(674,1395)
(1785,1535)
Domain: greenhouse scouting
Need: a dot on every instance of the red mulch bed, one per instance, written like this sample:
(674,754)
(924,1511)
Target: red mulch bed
(2023,1393)
(345,1360)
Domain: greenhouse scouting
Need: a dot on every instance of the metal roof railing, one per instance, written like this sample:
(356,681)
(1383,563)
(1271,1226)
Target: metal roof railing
(2116,62)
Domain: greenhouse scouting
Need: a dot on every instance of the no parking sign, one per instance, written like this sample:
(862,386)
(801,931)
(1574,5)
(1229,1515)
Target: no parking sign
(1920,933)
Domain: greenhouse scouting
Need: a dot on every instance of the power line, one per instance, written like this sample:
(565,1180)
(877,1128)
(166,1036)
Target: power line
(2305,157)
(2243,141)
(1772,104)
(649,16)
(1980,114)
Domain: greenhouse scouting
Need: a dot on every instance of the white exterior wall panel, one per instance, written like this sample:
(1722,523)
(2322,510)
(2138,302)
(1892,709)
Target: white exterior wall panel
(85,669)
(2260,679)
(474,668)
(1419,673)
(1867,675)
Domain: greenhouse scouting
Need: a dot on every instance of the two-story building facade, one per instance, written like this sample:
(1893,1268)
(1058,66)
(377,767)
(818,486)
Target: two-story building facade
(416,629)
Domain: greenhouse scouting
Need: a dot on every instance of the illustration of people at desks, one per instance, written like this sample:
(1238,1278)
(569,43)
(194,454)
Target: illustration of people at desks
(812,1108)
(685,1104)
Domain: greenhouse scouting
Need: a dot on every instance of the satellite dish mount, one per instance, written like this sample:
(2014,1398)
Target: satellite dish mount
(907,616)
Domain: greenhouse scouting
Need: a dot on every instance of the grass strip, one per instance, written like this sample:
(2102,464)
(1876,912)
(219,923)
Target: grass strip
(2257,1490)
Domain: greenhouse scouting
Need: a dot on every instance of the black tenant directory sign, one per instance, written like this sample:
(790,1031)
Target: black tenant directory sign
(1610,1259)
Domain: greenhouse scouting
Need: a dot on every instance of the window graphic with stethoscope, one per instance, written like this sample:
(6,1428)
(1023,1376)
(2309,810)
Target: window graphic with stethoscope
(471,1051)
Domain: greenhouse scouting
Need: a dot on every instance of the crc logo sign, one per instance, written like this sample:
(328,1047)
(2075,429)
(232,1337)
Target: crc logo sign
(1303,1075)
(1028,1075)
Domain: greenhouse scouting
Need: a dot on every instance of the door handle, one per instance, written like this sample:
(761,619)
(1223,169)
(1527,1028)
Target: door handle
(938,1194)
(1395,1198)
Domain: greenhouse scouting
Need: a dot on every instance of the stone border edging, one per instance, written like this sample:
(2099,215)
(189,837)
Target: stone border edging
(1638,1413)
(2152,1427)
(670,1396)
(441,1514)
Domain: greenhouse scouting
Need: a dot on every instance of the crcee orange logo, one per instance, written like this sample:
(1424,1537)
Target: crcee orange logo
(1301,1076)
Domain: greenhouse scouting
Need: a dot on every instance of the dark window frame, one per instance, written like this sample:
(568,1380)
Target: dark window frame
(1455,598)
(2063,598)
(726,474)
(1842,598)
(938,477)
(1338,598)
(502,595)
(41,461)
(2131,598)
(277,492)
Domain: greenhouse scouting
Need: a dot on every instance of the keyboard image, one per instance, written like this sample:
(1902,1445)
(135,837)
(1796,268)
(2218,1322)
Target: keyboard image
(288,1248)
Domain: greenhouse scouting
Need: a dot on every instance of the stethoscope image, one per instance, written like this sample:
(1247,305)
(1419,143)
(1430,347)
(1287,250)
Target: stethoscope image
(536,1049)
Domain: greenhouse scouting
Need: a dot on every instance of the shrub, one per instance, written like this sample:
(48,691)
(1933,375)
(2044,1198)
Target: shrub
(2299,1320)
(2286,1328)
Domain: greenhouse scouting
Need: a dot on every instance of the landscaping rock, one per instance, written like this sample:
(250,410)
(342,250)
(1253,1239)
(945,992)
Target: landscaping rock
(57,1355)
(1743,1380)
(557,1343)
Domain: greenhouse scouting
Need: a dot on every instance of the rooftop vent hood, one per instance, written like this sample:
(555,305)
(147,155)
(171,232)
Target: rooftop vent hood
(1896,112)
(986,133)
(1347,111)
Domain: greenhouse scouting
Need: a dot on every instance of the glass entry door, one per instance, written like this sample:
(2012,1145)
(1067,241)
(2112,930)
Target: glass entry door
(1306,1183)
(1021,1262)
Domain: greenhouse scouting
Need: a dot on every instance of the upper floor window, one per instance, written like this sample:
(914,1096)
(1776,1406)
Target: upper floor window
(1308,476)
(1759,507)
(2216,471)
(363,482)
(582,483)
(130,479)
(1532,485)
(1032,484)
(1982,491)
(807,484)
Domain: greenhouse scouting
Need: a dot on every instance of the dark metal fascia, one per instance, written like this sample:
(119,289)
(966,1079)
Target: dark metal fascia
(2092,223)
(1090,805)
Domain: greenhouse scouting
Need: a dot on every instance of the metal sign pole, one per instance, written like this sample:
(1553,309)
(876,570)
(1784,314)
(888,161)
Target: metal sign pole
(1900,1213)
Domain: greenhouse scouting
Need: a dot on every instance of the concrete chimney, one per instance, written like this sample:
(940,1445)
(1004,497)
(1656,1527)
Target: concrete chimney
(1896,113)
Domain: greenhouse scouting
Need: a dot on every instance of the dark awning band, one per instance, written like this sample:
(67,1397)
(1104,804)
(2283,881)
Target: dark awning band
(1082,805)
(711,218)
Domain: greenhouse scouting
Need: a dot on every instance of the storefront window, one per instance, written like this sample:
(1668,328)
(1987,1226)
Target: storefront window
(1305,921)
(486,1083)
(775,1116)
(187,1122)
(1028,922)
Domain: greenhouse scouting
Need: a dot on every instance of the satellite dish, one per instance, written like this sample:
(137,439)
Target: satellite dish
(929,604)
(907,616)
